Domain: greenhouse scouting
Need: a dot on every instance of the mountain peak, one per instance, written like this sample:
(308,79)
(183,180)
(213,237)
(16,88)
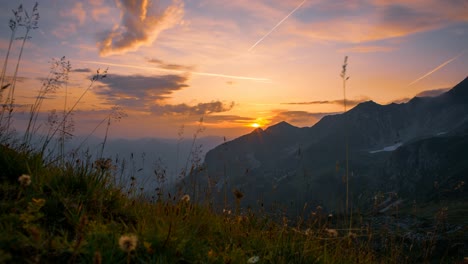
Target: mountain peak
(281,126)
(460,90)
(366,106)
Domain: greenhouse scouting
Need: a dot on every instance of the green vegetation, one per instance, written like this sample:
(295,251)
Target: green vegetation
(77,214)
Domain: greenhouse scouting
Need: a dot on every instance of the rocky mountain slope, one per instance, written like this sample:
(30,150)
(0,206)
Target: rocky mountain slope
(402,148)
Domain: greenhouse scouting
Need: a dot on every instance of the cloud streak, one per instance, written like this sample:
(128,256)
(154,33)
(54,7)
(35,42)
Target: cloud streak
(277,25)
(139,26)
(438,68)
(181,71)
(339,102)
(171,66)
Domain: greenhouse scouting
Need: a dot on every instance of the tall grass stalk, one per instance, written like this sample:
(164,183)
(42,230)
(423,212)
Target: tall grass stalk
(58,75)
(63,135)
(29,23)
(98,76)
(13,23)
(345,78)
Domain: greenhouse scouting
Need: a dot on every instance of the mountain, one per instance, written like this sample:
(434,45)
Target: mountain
(292,165)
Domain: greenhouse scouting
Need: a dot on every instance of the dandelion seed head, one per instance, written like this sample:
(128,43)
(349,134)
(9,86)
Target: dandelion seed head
(253,259)
(24,180)
(185,198)
(128,243)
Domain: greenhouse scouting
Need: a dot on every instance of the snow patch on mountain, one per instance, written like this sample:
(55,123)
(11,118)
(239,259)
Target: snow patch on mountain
(387,149)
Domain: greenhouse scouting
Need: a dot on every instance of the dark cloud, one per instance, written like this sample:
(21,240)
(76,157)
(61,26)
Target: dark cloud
(20,79)
(298,117)
(140,25)
(171,66)
(339,102)
(138,90)
(432,93)
(199,109)
(87,70)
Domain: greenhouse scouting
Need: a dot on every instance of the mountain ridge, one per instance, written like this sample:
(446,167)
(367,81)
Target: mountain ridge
(309,161)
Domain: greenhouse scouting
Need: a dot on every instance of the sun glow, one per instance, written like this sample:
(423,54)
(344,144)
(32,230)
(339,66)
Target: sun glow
(255,125)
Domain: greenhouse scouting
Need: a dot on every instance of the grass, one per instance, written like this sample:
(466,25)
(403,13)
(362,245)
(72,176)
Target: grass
(76,214)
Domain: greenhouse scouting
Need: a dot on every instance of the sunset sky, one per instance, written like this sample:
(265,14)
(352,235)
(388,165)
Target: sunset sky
(235,62)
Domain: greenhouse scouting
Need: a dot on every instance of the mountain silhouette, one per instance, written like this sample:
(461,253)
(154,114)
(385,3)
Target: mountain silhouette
(284,163)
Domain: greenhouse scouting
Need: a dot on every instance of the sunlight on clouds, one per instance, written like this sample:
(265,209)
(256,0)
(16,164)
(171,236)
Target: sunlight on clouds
(140,26)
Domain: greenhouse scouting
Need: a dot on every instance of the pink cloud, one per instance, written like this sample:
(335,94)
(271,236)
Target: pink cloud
(140,26)
(76,12)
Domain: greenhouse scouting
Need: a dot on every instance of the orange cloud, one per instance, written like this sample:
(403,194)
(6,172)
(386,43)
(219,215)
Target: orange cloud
(139,26)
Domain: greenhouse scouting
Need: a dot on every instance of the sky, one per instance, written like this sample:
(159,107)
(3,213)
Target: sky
(225,67)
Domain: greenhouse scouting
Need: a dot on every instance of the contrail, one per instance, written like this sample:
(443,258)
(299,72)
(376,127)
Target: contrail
(180,71)
(277,25)
(437,68)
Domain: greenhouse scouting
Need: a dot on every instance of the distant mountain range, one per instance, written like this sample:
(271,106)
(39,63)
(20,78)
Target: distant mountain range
(417,149)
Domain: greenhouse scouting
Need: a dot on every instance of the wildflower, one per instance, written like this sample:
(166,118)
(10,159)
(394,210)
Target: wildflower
(148,247)
(211,253)
(253,259)
(24,180)
(128,243)
(331,232)
(238,194)
(38,202)
(226,211)
(185,198)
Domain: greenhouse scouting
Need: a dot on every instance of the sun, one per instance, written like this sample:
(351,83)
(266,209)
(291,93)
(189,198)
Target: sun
(255,125)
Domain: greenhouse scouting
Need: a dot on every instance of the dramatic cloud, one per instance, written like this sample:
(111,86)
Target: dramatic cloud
(432,93)
(139,91)
(339,102)
(171,66)
(199,109)
(140,25)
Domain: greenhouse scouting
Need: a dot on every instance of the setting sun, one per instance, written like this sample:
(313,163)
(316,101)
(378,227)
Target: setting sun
(256,125)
